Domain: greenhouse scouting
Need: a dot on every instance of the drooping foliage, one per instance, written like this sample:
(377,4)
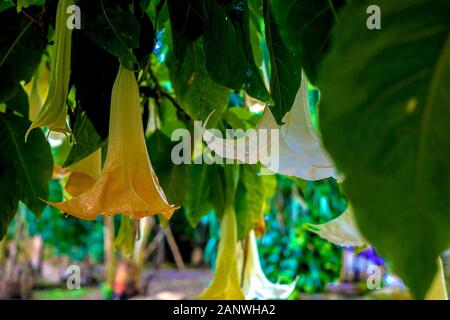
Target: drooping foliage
(381,125)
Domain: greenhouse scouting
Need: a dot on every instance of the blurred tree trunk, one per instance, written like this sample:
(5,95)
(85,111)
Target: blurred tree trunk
(3,244)
(145,227)
(36,254)
(109,254)
(16,278)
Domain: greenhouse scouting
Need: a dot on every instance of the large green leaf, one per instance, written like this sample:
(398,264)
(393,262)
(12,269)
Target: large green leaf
(10,190)
(146,37)
(172,178)
(384,118)
(305,27)
(22,4)
(6,4)
(228,51)
(253,193)
(21,48)
(285,69)
(197,94)
(32,161)
(19,102)
(93,74)
(86,139)
(112,26)
(197,204)
(186,21)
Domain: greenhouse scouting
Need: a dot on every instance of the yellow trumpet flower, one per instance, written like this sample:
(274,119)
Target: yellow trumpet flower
(35,102)
(127,184)
(225,284)
(255,283)
(54,110)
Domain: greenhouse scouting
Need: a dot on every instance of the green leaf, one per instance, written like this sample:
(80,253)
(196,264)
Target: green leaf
(186,21)
(384,118)
(217,193)
(240,118)
(112,26)
(93,74)
(32,160)
(285,69)
(228,52)
(146,37)
(21,4)
(305,27)
(252,195)
(172,178)
(10,190)
(194,90)
(6,4)
(197,204)
(86,139)
(19,102)
(21,48)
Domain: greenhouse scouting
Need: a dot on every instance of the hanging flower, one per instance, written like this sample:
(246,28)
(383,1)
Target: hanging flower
(54,110)
(255,283)
(298,148)
(225,284)
(35,102)
(343,231)
(127,184)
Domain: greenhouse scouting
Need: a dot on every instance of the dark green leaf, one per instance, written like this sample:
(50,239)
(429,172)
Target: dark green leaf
(285,69)
(197,204)
(21,4)
(32,160)
(10,190)
(172,178)
(217,193)
(146,38)
(384,120)
(305,27)
(186,21)
(6,4)
(93,75)
(112,26)
(228,52)
(86,139)
(19,102)
(21,48)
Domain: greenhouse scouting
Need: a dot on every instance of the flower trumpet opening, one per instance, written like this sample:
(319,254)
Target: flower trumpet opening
(84,174)
(293,149)
(255,283)
(127,184)
(225,284)
(54,111)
